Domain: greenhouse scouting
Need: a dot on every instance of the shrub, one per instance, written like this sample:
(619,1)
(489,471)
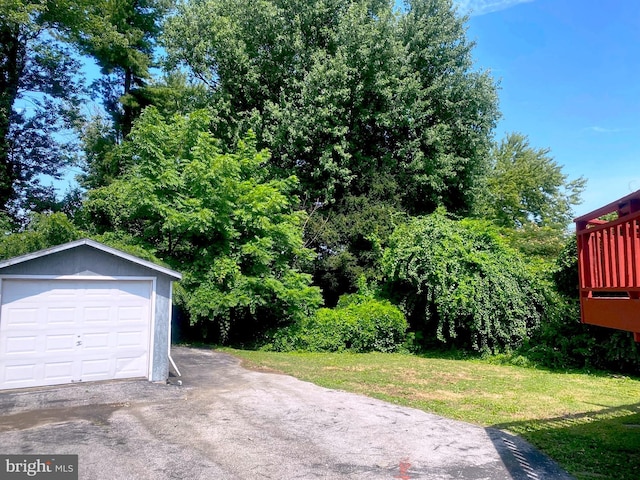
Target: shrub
(357,324)
(461,285)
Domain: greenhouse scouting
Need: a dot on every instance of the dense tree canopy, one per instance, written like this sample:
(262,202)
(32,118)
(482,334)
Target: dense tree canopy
(376,111)
(347,91)
(216,217)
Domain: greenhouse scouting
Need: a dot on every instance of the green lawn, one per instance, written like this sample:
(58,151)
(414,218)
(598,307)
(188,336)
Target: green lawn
(589,423)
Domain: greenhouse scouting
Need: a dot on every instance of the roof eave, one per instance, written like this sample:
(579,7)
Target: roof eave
(97,245)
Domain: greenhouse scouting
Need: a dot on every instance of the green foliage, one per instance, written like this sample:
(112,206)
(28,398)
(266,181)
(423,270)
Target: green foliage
(376,111)
(526,186)
(218,218)
(535,242)
(344,91)
(43,231)
(348,241)
(565,273)
(359,324)
(171,96)
(121,37)
(561,341)
(100,163)
(460,284)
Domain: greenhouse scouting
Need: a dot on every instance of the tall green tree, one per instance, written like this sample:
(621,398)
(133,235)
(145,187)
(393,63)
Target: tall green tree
(217,217)
(39,99)
(171,95)
(366,105)
(527,186)
(120,35)
(529,195)
(347,91)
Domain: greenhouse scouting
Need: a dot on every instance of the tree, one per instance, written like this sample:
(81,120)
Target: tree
(530,197)
(100,136)
(216,217)
(120,35)
(460,285)
(343,91)
(362,103)
(39,100)
(527,187)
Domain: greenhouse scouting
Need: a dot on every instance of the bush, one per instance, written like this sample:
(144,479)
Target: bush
(461,285)
(357,324)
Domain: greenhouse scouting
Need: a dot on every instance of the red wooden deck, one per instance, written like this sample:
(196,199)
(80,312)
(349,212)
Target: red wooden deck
(609,265)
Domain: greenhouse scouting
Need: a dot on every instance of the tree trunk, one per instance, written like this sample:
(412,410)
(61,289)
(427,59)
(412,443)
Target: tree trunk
(127,111)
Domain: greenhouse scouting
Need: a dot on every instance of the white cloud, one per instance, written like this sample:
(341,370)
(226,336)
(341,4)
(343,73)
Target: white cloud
(482,7)
(597,129)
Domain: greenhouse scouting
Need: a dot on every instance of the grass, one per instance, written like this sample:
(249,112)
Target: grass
(589,423)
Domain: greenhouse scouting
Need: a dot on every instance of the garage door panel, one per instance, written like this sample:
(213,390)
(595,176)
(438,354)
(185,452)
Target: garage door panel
(129,339)
(59,371)
(97,314)
(64,343)
(21,316)
(127,366)
(26,345)
(58,294)
(60,315)
(131,313)
(60,331)
(19,375)
(95,367)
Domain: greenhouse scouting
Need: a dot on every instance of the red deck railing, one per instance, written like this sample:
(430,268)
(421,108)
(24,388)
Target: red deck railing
(609,265)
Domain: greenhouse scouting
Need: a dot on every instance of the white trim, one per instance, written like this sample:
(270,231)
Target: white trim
(75,277)
(169,329)
(152,299)
(152,326)
(97,246)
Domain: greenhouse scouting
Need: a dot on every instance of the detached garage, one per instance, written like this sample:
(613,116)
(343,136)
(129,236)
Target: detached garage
(82,312)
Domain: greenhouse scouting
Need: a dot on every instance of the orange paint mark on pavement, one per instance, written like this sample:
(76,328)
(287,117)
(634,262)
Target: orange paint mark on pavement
(404,470)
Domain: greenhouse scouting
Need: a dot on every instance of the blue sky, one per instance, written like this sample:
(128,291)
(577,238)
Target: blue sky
(569,73)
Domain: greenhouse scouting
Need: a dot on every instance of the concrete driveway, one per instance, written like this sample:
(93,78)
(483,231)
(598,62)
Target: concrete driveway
(226,422)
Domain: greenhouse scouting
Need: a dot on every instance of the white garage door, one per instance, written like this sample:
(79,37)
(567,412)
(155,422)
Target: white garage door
(63,331)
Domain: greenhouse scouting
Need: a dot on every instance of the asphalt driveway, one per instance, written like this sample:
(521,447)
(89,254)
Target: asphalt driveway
(226,422)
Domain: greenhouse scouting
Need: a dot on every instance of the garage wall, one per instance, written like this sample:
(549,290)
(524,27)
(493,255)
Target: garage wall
(88,261)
